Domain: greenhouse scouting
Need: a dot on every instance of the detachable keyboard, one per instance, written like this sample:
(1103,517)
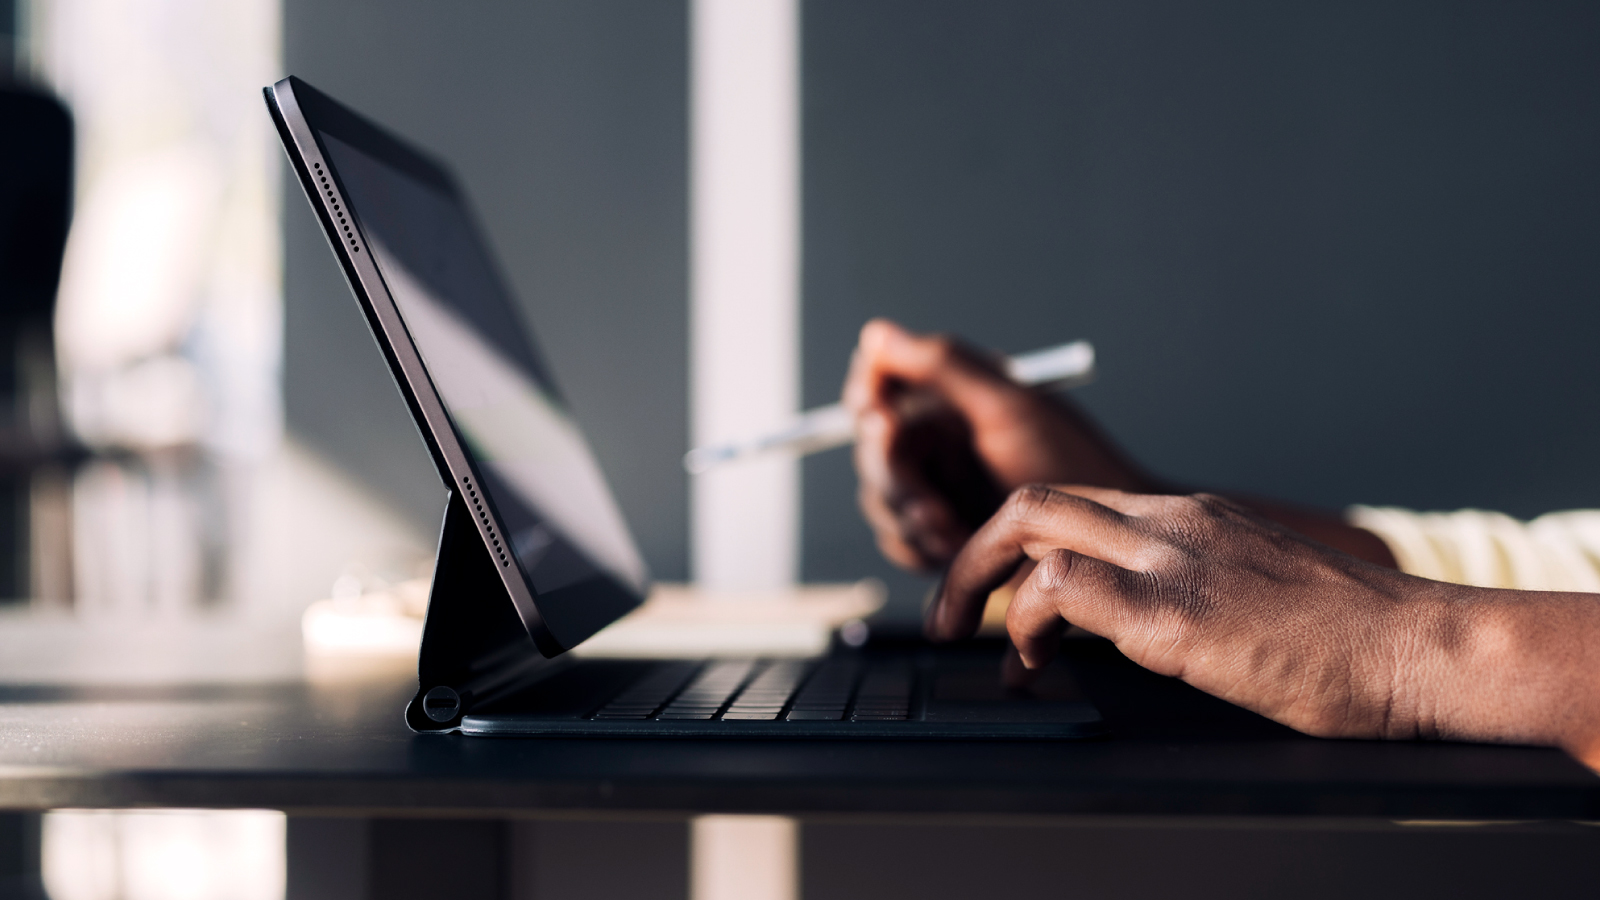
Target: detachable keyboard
(757,691)
(953,693)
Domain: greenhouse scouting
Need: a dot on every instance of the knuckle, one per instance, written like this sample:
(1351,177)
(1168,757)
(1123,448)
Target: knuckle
(1158,556)
(942,347)
(1215,508)
(1054,573)
(1029,500)
(1186,526)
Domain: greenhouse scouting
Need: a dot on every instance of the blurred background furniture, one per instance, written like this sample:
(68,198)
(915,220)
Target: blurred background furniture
(36,161)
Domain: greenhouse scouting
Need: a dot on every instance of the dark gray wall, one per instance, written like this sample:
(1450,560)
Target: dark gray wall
(567,122)
(1336,252)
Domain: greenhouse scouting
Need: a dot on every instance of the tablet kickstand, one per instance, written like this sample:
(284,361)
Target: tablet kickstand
(474,646)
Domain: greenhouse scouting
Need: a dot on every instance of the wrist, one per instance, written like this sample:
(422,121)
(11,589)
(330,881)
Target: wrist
(1508,666)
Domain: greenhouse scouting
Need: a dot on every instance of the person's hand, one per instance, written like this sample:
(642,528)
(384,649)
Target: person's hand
(1199,588)
(943,436)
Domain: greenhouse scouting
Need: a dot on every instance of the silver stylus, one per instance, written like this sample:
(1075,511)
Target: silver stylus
(826,427)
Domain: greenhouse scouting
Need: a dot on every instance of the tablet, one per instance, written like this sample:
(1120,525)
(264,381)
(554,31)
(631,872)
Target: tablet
(495,424)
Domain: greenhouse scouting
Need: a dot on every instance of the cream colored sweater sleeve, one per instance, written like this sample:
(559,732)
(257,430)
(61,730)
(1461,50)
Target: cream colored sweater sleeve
(1555,552)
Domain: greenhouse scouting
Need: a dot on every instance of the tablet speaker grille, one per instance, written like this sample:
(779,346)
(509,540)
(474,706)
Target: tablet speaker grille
(471,493)
(336,209)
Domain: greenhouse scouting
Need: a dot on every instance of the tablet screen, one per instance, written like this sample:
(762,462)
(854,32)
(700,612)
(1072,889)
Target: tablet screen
(534,465)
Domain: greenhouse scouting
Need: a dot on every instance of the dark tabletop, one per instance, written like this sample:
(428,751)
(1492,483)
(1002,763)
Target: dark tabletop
(341,746)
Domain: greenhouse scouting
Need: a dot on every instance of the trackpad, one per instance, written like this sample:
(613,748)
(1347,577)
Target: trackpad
(973,692)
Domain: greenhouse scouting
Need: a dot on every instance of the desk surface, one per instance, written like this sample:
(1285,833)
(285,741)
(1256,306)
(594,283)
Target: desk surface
(343,747)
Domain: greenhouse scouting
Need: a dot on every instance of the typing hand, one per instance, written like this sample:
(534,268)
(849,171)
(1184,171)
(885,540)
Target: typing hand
(1202,589)
(943,436)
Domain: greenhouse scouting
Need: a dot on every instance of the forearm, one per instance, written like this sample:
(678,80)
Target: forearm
(1505,666)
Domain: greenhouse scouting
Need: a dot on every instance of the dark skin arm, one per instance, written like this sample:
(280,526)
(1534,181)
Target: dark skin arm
(1199,588)
(1289,612)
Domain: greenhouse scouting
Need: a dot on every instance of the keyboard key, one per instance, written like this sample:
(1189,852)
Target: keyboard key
(650,692)
(752,691)
(884,694)
(709,691)
(771,688)
(815,715)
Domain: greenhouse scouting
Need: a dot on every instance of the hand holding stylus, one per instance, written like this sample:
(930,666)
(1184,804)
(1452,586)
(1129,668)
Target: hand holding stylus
(944,436)
(944,433)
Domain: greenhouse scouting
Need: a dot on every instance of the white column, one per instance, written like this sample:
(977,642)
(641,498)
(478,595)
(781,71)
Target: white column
(744,359)
(744,294)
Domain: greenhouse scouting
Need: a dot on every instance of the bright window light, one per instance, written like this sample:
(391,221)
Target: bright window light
(169,315)
(165,854)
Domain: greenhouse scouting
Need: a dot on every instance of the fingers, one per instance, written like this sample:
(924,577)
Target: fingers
(1094,593)
(886,351)
(1125,502)
(1014,673)
(873,438)
(915,526)
(1035,522)
(860,384)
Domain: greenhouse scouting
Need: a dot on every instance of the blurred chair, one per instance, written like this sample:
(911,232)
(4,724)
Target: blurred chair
(36,164)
